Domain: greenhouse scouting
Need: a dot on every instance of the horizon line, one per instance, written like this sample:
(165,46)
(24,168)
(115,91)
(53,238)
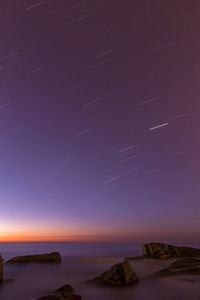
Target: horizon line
(142,241)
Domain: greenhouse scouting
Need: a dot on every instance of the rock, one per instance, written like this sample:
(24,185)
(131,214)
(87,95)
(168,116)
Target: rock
(53,257)
(186,266)
(119,275)
(66,289)
(164,251)
(64,293)
(1,269)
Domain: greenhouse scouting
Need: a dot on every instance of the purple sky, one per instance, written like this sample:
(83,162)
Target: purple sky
(99,118)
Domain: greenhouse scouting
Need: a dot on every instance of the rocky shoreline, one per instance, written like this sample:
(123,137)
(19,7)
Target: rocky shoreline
(182,261)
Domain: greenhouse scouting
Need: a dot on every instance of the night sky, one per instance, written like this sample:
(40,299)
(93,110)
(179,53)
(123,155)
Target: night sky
(99,119)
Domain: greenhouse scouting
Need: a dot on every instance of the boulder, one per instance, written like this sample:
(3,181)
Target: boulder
(1,269)
(186,266)
(53,257)
(119,275)
(66,292)
(164,251)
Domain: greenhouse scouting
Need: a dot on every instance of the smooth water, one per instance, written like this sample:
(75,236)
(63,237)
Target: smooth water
(71,249)
(83,261)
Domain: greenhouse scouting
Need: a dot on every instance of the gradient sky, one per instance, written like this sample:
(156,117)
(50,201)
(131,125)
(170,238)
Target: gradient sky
(99,118)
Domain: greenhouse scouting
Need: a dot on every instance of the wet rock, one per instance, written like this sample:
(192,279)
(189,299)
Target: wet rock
(1,269)
(186,266)
(53,257)
(119,275)
(64,293)
(165,251)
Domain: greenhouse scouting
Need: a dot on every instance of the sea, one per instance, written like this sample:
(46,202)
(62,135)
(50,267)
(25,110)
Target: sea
(84,261)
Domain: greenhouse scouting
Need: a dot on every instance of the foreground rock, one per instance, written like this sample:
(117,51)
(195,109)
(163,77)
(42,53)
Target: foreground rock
(119,275)
(53,257)
(64,293)
(1,269)
(164,251)
(187,266)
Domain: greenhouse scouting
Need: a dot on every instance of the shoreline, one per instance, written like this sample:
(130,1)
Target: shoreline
(33,280)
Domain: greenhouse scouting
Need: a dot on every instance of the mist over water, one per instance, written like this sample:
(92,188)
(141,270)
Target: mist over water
(71,249)
(83,261)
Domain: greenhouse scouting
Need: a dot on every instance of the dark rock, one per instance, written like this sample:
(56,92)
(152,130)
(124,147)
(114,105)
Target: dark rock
(187,266)
(1,269)
(53,257)
(64,293)
(119,275)
(66,289)
(164,251)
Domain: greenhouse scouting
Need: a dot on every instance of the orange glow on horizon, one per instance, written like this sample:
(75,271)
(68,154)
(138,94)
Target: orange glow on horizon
(48,232)
(33,237)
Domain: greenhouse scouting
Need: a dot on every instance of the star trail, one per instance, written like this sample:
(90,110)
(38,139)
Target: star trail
(99,118)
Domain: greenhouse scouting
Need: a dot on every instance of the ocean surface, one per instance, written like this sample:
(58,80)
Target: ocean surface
(84,261)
